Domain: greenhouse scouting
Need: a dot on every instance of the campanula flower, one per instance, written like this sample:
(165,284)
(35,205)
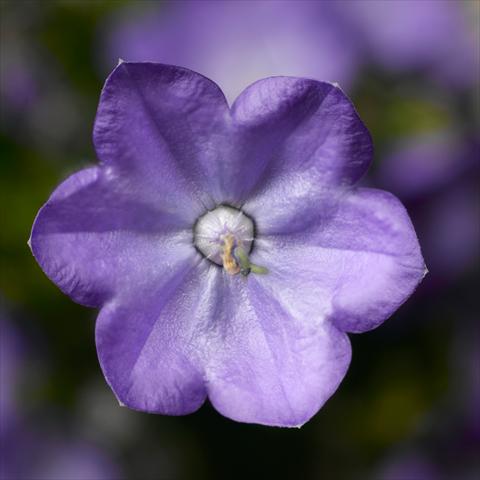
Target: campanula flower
(228,249)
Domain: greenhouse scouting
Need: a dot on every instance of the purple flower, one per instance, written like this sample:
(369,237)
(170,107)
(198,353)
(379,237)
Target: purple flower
(228,249)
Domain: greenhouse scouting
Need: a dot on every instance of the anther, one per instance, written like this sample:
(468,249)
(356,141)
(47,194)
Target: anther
(229,263)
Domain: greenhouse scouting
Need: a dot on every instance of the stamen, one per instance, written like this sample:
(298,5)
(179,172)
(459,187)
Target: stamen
(228,260)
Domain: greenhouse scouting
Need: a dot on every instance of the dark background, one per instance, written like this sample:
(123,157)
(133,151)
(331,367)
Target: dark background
(409,405)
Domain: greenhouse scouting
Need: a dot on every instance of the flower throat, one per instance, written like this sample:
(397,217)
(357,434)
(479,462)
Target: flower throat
(225,236)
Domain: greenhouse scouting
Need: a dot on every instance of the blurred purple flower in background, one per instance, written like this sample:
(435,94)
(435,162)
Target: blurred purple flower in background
(37,99)
(433,37)
(29,450)
(237,42)
(187,186)
(71,459)
(422,165)
(18,85)
(409,465)
(31,455)
(17,88)
(10,363)
(437,175)
(445,442)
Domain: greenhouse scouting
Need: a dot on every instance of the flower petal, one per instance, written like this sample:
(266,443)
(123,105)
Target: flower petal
(357,263)
(93,238)
(159,123)
(296,128)
(148,346)
(270,367)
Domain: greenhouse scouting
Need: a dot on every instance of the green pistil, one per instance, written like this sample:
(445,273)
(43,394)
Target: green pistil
(246,266)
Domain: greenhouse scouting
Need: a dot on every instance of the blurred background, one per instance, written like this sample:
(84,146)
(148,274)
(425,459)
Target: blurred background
(409,407)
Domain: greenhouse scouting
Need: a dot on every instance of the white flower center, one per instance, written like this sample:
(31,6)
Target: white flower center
(221,232)
(225,236)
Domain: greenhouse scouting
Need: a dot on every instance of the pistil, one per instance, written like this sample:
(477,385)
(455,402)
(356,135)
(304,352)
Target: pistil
(235,260)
